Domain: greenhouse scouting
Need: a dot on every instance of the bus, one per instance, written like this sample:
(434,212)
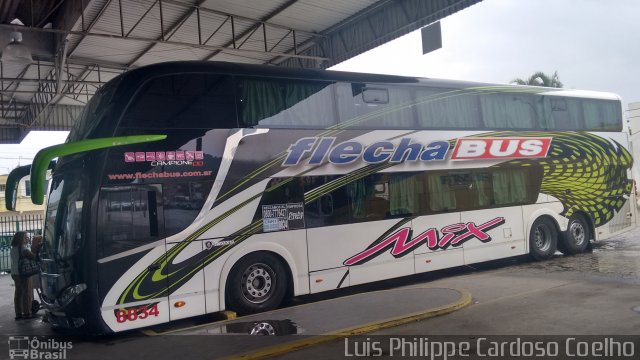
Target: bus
(187,188)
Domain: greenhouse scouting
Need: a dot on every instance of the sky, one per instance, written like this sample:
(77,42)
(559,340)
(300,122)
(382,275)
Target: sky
(592,44)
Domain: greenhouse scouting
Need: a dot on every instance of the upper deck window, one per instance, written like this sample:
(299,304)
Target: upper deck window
(266,102)
(365,106)
(188,101)
(602,115)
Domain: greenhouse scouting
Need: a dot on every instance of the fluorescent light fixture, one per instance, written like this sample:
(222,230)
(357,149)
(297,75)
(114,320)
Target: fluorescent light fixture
(16,51)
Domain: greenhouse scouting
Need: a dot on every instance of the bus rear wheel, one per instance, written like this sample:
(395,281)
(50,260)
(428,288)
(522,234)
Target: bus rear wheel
(257,282)
(576,239)
(543,239)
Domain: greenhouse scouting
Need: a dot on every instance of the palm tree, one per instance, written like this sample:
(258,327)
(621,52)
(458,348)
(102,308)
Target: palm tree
(540,79)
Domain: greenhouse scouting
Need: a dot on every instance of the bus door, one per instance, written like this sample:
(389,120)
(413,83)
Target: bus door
(130,243)
(182,202)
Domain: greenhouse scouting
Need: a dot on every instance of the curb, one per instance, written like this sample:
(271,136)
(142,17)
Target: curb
(465,299)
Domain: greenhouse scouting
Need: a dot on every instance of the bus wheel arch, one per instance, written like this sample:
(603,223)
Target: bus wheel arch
(576,239)
(543,238)
(258,281)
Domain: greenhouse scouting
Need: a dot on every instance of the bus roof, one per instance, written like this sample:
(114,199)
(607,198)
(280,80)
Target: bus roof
(166,68)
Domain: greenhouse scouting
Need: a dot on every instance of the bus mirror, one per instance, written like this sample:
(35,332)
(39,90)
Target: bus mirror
(43,158)
(11,189)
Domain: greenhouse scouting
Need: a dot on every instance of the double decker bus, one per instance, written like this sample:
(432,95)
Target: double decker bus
(192,187)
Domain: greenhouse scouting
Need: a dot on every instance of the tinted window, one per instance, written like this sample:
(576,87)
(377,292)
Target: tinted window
(566,114)
(374,106)
(201,101)
(365,199)
(182,203)
(602,115)
(285,103)
(129,217)
(384,196)
(511,111)
(452,109)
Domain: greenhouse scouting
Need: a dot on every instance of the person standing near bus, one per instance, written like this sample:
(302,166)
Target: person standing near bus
(23,296)
(36,246)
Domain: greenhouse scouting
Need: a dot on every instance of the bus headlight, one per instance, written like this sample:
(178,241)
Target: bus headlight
(70,293)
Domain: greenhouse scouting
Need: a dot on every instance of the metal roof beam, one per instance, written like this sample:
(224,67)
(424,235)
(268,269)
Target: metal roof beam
(240,52)
(392,18)
(88,28)
(169,32)
(248,32)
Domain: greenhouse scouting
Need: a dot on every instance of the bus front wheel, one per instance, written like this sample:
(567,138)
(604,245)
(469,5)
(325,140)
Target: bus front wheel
(257,282)
(543,239)
(576,239)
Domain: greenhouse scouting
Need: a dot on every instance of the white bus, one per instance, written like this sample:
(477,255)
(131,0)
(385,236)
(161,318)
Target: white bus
(193,187)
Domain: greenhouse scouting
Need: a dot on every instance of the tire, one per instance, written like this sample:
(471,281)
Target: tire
(576,239)
(543,239)
(256,283)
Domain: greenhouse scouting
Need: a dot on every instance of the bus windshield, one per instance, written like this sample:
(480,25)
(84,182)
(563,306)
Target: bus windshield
(93,111)
(62,232)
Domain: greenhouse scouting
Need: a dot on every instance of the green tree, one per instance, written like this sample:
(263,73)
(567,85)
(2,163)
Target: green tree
(540,79)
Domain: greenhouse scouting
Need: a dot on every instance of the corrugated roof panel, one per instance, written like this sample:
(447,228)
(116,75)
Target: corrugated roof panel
(91,11)
(256,41)
(210,23)
(280,40)
(112,50)
(317,16)
(241,59)
(248,8)
(104,76)
(151,25)
(109,21)
(165,52)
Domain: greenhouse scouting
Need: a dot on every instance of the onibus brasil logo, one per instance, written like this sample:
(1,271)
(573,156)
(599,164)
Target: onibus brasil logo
(33,348)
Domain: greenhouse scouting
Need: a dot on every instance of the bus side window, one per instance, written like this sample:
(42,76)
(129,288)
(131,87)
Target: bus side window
(188,101)
(602,115)
(510,187)
(130,216)
(441,197)
(565,113)
(511,111)
(182,203)
(264,102)
(447,109)
(371,106)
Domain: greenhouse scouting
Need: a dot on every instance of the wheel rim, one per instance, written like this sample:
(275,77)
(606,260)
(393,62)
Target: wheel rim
(577,232)
(263,329)
(258,281)
(542,238)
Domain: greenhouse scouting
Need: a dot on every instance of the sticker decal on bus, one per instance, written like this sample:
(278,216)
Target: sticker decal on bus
(279,217)
(136,313)
(452,235)
(160,156)
(321,149)
(502,148)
